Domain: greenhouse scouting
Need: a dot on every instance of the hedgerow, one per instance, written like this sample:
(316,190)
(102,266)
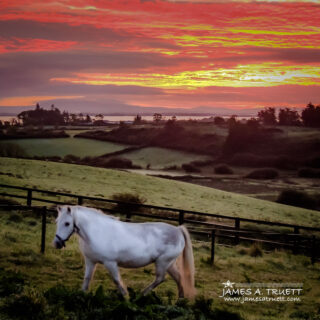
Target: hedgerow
(60,302)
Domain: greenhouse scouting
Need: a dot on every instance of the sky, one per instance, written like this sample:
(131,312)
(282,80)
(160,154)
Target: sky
(135,56)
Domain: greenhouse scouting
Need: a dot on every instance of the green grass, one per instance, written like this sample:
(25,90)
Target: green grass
(20,252)
(159,158)
(63,146)
(100,182)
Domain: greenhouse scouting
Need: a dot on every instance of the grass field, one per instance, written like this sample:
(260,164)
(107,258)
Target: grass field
(100,182)
(20,238)
(159,158)
(63,146)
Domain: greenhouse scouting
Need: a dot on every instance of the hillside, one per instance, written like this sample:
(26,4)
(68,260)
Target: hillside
(104,183)
(64,146)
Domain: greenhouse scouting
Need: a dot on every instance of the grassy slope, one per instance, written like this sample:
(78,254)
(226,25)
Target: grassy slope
(159,158)
(19,251)
(63,146)
(103,183)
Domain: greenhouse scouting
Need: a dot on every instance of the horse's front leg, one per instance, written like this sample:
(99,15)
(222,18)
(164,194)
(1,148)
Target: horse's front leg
(90,267)
(114,272)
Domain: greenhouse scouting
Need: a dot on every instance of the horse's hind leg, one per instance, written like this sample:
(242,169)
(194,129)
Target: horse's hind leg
(90,267)
(114,272)
(161,269)
(174,273)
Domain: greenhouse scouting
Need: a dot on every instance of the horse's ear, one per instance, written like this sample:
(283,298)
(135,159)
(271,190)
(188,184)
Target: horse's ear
(68,210)
(58,208)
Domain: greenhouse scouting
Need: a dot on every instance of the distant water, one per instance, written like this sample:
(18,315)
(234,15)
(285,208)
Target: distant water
(117,119)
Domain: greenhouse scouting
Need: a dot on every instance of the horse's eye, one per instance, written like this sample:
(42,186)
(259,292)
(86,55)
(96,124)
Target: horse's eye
(67,224)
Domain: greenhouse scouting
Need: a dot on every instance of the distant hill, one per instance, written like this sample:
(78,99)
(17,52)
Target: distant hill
(133,110)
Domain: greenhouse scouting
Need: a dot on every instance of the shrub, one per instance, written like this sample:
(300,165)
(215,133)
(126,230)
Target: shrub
(15,217)
(252,160)
(188,167)
(56,158)
(309,173)
(70,158)
(62,303)
(10,283)
(119,163)
(297,199)
(255,250)
(131,202)
(263,174)
(223,169)
(243,137)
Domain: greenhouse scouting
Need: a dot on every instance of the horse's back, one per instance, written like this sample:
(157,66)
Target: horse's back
(136,244)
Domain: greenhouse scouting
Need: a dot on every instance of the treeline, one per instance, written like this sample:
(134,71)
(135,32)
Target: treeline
(54,116)
(309,117)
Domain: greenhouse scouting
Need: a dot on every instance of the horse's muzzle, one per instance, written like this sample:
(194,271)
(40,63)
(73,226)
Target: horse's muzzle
(58,243)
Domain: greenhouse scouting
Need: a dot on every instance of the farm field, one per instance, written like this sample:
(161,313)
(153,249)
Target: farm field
(159,158)
(20,236)
(63,146)
(100,182)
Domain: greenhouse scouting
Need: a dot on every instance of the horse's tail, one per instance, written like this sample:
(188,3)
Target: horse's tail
(186,266)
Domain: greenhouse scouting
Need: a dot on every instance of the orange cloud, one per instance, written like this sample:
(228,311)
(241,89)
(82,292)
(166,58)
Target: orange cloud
(187,45)
(31,100)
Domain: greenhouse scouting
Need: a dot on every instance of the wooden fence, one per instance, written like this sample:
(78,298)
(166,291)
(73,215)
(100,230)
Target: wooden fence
(227,229)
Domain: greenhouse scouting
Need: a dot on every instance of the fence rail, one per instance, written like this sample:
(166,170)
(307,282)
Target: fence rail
(211,230)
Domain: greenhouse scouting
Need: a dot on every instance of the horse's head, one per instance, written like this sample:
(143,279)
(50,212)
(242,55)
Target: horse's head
(65,226)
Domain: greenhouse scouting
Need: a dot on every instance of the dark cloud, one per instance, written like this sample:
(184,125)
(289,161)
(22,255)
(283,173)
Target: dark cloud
(286,94)
(82,60)
(258,55)
(22,71)
(296,55)
(59,32)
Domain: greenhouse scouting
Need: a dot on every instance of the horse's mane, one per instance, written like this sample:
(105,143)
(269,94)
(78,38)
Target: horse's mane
(97,211)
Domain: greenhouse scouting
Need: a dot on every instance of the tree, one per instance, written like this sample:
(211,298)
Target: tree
(288,117)
(157,117)
(66,117)
(268,116)
(253,123)
(311,116)
(232,121)
(40,116)
(99,117)
(137,119)
(88,118)
(218,120)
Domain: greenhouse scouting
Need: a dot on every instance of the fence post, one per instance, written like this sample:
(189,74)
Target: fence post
(181,217)
(128,216)
(29,198)
(213,240)
(43,228)
(313,250)
(237,227)
(80,201)
(296,241)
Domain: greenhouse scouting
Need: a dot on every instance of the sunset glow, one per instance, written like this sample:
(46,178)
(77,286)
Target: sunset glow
(172,54)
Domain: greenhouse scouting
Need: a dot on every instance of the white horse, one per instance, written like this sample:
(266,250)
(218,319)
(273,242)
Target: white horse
(113,243)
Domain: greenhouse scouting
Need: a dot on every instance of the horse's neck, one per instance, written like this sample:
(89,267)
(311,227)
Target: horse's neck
(83,220)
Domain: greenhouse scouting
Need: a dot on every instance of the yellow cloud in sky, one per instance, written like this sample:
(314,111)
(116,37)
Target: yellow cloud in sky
(243,41)
(254,75)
